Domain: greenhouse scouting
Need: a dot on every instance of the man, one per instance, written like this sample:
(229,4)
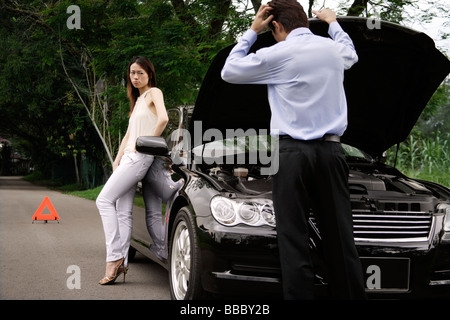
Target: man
(305,74)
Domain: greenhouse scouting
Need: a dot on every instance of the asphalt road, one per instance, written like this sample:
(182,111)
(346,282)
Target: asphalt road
(65,260)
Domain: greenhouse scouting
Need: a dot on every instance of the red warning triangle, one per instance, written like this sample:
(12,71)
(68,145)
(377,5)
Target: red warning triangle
(53,214)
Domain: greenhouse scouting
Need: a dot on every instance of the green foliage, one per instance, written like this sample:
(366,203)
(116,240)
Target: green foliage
(92,194)
(50,73)
(426,152)
(426,158)
(46,111)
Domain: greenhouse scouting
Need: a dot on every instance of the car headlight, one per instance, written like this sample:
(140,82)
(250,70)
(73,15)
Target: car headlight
(253,212)
(223,210)
(446,209)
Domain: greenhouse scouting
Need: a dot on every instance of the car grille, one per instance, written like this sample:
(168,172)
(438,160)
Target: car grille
(390,226)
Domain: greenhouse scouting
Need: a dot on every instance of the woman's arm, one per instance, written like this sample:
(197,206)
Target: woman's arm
(157,99)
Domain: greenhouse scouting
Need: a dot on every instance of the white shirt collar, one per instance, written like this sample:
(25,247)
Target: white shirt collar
(298,32)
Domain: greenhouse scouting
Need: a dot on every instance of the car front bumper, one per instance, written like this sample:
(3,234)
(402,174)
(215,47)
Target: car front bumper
(239,261)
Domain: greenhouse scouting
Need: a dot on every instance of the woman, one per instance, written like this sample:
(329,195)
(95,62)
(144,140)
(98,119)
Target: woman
(148,117)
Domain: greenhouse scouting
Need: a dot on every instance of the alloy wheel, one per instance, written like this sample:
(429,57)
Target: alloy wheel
(181,261)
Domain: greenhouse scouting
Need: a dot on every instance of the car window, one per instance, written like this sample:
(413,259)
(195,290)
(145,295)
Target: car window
(173,124)
(259,145)
(176,134)
(234,145)
(352,152)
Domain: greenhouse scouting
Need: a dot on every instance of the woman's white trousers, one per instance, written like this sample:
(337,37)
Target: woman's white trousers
(115,203)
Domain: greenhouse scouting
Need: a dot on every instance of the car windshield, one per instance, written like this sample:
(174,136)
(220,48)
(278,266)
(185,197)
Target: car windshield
(236,150)
(355,153)
(256,148)
(235,145)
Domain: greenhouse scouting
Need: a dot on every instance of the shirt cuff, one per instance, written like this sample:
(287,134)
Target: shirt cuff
(333,28)
(250,35)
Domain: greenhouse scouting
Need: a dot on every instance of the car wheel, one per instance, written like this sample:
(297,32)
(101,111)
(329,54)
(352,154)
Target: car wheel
(184,259)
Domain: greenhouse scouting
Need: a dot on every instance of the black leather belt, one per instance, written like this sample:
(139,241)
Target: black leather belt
(327,137)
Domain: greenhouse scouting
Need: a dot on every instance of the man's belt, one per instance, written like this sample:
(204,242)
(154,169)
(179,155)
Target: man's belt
(327,137)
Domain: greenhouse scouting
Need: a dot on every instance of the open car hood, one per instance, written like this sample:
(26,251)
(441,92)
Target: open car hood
(398,71)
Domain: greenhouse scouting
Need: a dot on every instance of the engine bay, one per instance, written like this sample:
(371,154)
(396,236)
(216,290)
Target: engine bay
(245,179)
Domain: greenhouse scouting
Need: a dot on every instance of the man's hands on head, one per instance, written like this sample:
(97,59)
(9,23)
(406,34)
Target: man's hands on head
(326,15)
(262,18)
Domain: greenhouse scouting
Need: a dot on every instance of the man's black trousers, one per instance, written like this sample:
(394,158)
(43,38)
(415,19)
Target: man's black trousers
(314,174)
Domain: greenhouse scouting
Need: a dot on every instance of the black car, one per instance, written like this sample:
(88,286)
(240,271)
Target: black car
(220,232)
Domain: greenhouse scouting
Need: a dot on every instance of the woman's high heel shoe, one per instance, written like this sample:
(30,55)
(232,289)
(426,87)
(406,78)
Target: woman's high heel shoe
(117,272)
(124,270)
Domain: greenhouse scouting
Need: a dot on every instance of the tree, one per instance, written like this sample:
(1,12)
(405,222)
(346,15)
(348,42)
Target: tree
(63,90)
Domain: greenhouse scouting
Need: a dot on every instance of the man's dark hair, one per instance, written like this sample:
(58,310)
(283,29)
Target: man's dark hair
(289,13)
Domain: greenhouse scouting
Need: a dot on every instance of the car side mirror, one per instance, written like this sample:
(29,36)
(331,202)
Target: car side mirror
(152,145)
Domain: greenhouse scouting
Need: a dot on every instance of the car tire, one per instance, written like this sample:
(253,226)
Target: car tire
(184,259)
(131,253)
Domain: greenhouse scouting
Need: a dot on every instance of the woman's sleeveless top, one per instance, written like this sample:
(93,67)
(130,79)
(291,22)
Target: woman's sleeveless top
(142,122)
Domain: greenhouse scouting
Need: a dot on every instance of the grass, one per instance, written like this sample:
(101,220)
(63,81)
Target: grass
(75,189)
(426,158)
(92,194)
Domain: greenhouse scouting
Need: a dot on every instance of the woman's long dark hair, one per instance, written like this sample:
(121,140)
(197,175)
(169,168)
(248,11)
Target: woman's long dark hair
(147,65)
